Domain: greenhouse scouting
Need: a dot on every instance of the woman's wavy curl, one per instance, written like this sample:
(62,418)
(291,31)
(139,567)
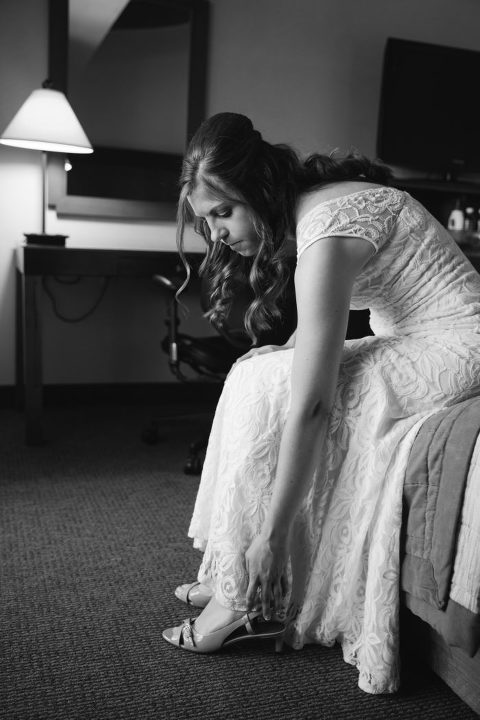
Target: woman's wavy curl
(230,157)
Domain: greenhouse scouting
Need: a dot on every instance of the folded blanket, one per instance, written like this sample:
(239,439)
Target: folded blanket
(433,495)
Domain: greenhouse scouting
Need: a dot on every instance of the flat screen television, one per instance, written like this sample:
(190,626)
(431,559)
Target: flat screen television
(430,108)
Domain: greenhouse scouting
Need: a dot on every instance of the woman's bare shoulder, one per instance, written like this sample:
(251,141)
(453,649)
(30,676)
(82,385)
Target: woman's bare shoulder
(310,199)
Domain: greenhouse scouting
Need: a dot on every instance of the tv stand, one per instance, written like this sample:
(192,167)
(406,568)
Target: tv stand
(439,196)
(455,187)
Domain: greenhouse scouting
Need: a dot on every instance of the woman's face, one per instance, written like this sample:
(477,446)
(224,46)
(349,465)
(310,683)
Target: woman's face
(229,221)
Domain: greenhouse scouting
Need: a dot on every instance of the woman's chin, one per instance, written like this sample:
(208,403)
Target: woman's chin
(246,251)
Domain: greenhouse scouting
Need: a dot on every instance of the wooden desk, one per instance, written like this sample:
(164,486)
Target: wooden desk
(36,262)
(33,263)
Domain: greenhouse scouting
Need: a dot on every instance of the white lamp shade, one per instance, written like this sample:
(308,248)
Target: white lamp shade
(46,121)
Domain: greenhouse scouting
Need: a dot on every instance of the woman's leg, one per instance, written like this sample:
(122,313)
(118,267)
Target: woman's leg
(236,483)
(215,616)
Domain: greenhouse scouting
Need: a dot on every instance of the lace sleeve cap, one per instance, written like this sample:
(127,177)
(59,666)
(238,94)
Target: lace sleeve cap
(368,214)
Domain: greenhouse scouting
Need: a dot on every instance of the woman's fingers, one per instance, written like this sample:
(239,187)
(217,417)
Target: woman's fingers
(266,601)
(253,353)
(258,351)
(271,596)
(249,354)
(266,572)
(266,596)
(278,593)
(251,594)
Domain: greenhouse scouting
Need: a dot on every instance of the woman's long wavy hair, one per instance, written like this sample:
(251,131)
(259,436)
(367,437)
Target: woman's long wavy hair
(229,157)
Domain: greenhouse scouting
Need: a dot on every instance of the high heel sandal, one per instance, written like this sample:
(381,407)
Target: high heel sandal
(192,595)
(249,627)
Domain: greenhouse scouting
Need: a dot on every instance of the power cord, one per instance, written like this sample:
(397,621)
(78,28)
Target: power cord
(73,281)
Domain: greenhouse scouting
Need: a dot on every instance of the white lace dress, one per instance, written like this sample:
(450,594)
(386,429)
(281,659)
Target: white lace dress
(424,300)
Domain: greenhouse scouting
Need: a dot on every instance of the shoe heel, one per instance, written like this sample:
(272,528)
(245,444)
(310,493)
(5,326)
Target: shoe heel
(279,644)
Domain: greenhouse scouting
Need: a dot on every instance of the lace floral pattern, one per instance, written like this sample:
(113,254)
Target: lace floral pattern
(367,214)
(345,550)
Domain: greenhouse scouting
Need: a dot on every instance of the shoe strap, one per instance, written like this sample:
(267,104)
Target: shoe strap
(191,587)
(248,624)
(186,633)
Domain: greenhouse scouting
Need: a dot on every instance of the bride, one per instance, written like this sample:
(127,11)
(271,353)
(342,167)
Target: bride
(298,511)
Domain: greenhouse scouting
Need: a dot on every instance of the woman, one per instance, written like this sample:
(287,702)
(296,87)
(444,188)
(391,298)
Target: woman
(299,504)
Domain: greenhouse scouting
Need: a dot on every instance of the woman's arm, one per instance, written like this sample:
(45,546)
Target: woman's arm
(323,282)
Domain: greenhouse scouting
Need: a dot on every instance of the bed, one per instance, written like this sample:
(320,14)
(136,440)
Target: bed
(440,571)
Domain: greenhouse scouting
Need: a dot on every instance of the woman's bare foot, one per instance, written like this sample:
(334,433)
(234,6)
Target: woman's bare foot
(215,616)
(203,589)
(195,594)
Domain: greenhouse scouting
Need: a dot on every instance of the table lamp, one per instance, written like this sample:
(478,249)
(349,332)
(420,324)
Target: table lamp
(46,122)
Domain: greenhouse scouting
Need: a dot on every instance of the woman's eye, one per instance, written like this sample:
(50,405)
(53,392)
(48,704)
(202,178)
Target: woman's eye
(224,213)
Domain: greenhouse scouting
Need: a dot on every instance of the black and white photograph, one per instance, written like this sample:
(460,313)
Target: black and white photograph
(240,367)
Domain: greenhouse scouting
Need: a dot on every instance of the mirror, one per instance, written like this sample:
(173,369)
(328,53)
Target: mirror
(135,73)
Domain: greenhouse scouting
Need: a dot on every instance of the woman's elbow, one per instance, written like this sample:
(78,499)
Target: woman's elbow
(314,410)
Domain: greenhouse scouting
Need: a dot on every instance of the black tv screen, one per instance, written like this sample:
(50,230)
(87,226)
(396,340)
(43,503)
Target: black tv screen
(429,108)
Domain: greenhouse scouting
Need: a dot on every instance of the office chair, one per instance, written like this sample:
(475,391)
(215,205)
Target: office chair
(214,355)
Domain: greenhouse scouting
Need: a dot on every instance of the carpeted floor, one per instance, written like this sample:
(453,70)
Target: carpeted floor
(92,544)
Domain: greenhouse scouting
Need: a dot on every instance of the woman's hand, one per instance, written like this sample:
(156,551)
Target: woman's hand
(257,351)
(266,566)
(260,351)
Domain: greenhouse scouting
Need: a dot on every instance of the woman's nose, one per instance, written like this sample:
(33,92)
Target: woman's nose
(218,234)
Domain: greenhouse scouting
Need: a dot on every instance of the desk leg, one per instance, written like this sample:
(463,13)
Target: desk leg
(19,355)
(32,358)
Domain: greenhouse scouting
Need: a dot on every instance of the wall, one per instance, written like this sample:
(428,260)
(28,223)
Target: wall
(307,73)
(22,68)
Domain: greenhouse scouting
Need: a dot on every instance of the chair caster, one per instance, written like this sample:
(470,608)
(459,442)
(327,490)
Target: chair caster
(193,466)
(196,457)
(194,463)
(151,434)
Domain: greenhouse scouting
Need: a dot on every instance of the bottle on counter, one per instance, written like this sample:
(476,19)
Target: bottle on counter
(469,223)
(456,221)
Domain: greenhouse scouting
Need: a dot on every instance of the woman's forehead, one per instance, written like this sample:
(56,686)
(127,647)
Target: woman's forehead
(204,198)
